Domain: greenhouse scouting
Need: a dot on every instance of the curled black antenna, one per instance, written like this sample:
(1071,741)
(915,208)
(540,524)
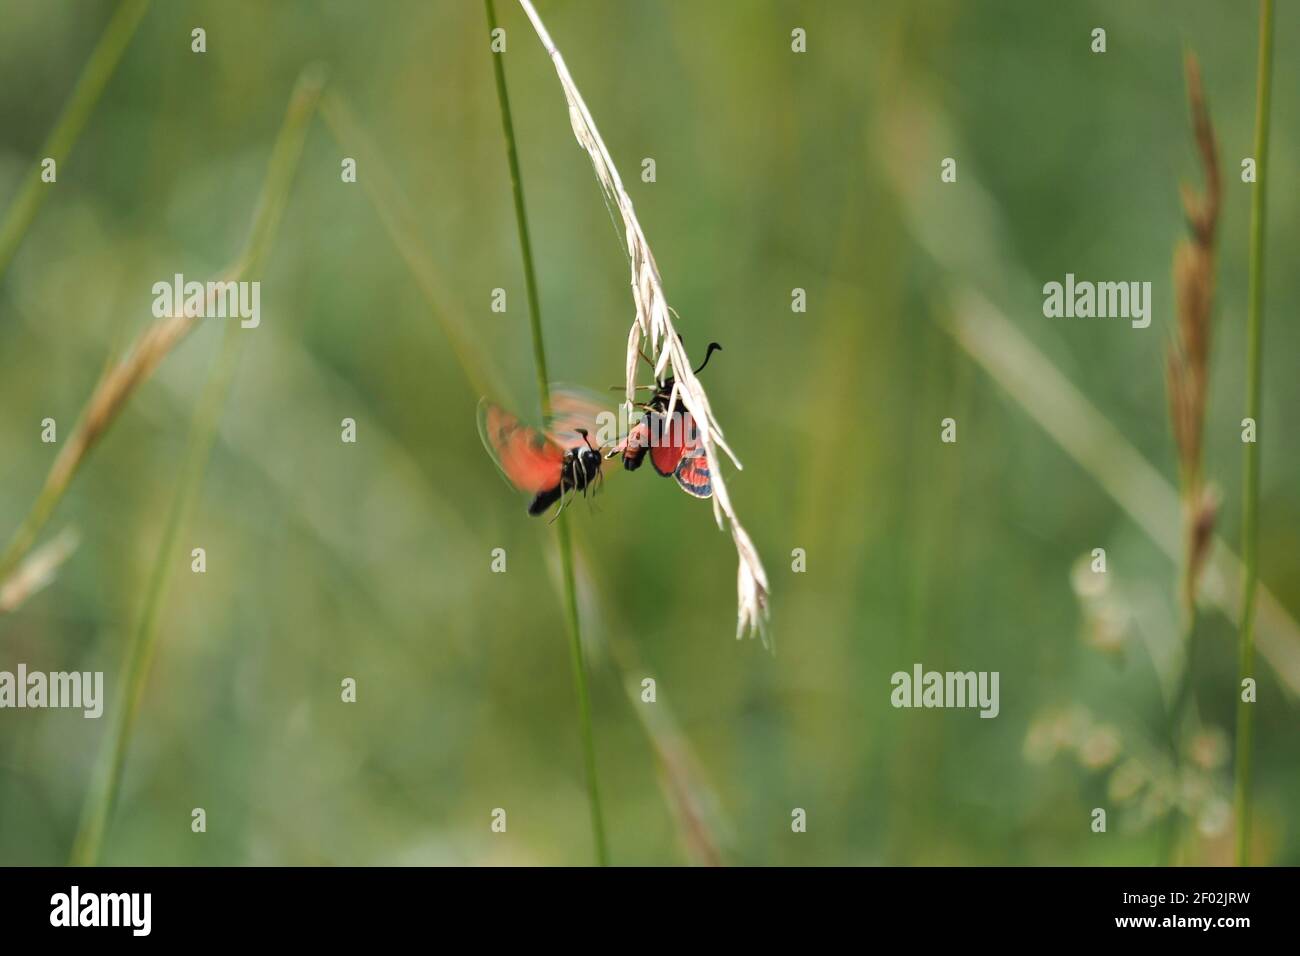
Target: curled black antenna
(713,347)
(583,433)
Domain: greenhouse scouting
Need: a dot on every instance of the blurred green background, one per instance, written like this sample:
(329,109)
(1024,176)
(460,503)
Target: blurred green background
(775,170)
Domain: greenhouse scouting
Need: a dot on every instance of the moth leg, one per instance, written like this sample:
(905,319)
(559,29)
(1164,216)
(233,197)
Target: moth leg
(560,509)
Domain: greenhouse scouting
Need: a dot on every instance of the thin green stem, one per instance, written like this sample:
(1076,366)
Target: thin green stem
(521,217)
(543,391)
(1182,718)
(1250,503)
(579,666)
(102,795)
(94,77)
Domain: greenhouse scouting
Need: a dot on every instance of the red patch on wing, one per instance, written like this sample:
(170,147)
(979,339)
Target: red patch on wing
(670,439)
(680,453)
(693,474)
(530,461)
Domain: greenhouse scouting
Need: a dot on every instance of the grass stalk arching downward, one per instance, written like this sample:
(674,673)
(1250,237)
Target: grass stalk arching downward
(1250,499)
(563,541)
(102,795)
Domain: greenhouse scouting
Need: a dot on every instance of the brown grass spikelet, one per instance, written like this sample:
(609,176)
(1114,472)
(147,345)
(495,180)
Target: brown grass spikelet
(111,394)
(1187,355)
(115,387)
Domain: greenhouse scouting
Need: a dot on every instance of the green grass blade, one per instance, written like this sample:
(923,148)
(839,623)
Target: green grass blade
(1101,450)
(102,795)
(562,530)
(1250,501)
(94,77)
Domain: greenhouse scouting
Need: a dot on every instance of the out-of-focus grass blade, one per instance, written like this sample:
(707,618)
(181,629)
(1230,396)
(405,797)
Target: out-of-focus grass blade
(703,827)
(37,570)
(101,797)
(394,212)
(686,791)
(94,77)
(1075,423)
(120,380)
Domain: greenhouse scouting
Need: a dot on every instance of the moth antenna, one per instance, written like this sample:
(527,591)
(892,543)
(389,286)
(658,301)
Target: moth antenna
(713,347)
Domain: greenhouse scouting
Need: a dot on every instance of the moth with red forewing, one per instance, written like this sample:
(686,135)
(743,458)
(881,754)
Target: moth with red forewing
(547,465)
(674,444)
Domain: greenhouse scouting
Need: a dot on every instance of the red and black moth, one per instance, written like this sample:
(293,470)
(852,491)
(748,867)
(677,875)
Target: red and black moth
(554,464)
(545,465)
(674,443)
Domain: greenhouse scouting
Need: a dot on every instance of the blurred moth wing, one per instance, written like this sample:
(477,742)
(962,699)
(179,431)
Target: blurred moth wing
(545,464)
(574,407)
(527,458)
